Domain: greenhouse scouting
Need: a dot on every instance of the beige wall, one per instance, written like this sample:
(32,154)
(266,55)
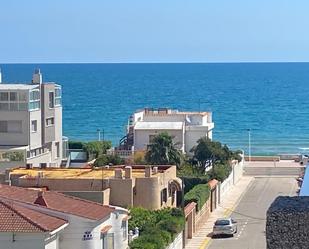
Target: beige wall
(121,192)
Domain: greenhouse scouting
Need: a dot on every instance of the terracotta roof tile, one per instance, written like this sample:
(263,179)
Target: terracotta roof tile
(57,201)
(16,218)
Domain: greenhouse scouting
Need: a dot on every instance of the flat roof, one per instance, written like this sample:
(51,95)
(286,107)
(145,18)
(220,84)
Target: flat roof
(17,86)
(158,125)
(57,173)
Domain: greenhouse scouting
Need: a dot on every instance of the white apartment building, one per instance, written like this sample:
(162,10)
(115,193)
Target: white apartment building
(185,127)
(31,123)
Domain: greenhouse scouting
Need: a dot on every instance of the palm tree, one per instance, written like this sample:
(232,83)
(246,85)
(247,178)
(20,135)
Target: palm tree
(163,151)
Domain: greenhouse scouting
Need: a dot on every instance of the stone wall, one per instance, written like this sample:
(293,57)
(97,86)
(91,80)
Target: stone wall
(287,225)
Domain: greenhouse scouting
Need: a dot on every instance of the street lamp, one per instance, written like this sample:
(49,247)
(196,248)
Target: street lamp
(99,134)
(249,144)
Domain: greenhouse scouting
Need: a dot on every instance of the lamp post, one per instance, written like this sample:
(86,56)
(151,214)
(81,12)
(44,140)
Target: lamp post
(249,144)
(99,134)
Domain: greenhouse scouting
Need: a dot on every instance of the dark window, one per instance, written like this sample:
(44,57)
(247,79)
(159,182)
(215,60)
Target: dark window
(51,100)
(163,196)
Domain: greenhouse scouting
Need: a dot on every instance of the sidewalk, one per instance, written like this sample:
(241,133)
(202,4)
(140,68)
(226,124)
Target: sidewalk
(230,201)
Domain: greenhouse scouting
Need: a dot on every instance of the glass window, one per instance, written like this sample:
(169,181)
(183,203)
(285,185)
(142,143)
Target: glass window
(15,126)
(3,126)
(50,121)
(13,106)
(57,92)
(4,96)
(22,96)
(51,100)
(34,126)
(13,96)
(22,106)
(4,106)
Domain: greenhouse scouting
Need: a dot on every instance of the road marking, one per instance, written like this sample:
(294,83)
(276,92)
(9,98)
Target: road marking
(205,243)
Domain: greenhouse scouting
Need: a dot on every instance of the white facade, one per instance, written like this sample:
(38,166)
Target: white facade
(79,233)
(31,118)
(185,127)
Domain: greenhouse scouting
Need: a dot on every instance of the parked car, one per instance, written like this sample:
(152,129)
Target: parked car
(225,226)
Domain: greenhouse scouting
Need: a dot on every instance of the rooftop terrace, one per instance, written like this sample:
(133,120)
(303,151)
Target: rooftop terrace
(57,173)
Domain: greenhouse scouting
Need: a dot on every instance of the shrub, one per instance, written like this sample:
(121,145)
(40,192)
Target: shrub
(139,157)
(220,172)
(157,228)
(108,159)
(199,194)
(191,182)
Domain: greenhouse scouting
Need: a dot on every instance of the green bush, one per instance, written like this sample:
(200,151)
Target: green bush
(220,172)
(191,182)
(199,194)
(108,159)
(157,228)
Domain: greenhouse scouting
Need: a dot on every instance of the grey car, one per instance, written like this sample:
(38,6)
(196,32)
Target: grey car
(224,226)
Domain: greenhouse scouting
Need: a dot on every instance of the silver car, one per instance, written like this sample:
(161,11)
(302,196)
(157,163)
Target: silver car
(225,226)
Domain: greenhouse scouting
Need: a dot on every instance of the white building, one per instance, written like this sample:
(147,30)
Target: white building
(31,123)
(49,220)
(185,127)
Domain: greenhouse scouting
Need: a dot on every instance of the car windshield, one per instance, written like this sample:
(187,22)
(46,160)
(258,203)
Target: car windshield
(222,222)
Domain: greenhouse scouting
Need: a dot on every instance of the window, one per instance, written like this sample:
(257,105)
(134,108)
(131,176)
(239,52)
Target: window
(34,126)
(51,100)
(163,196)
(57,150)
(4,106)
(57,96)
(34,100)
(108,241)
(13,96)
(4,96)
(11,126)
(50,121)
(22,96)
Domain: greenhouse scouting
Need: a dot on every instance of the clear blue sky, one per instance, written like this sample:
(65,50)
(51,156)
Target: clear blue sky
(154,31)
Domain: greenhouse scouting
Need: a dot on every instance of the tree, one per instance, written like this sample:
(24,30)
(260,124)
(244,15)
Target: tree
(208,152)
(162,151)
(108,159)
(96,148)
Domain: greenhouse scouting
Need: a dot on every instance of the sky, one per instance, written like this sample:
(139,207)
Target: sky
(76,31)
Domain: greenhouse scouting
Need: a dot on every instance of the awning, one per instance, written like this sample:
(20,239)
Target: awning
(105,229)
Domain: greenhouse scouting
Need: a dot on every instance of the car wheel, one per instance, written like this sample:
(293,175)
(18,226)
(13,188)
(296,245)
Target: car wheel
(236,230)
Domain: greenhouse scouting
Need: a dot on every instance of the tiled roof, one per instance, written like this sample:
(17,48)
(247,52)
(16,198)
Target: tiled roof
(57,201)
(15,218)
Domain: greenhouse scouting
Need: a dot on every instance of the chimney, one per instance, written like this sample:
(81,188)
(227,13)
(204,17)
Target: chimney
(40,199)
(128,172)
(155,170)
(118,173)
(0,76)
(37,77)
(148,171)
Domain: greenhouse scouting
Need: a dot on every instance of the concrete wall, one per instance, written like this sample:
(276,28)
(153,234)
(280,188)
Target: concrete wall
(192,135)
(177,243)
(35,137)
(287,223)
(37,160)
(121,192)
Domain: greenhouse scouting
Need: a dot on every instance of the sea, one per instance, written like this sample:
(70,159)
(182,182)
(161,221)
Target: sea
(270,99)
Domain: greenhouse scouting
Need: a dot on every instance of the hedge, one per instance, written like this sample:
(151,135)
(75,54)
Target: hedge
(199,194)
(157,228)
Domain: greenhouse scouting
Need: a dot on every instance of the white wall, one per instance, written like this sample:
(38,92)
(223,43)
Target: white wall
(177,243)
(35,137)
(192,135)
(23,241)
(141,137)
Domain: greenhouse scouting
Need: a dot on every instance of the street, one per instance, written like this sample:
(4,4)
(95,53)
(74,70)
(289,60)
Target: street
(250,213)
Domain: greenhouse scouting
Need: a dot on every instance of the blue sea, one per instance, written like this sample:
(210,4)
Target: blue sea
(271,99)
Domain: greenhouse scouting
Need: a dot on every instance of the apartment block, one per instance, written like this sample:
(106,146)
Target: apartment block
(31,123)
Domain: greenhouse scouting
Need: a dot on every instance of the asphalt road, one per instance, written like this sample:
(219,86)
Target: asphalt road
(251,213)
